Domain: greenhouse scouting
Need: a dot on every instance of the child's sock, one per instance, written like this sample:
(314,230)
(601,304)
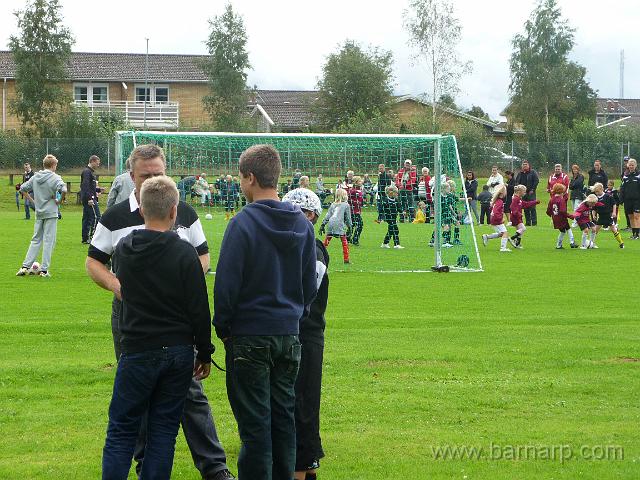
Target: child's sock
(592,237)
(493,235)
(617,236)
(503,242)
(561,238)
(635,231)
(584,239)
(571,239)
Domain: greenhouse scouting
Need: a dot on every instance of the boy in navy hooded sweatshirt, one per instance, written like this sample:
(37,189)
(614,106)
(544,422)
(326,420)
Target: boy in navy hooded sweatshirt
(265,282)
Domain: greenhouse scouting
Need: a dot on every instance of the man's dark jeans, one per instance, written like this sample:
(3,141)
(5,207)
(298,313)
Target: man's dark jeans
(261,376)
(530,214)
(90,219)
(157,381)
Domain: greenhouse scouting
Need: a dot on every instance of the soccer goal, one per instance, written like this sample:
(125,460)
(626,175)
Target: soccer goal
(445,239)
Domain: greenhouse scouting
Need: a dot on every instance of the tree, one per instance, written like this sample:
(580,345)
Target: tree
(448,101)
(435,32)
(546,87)
(40,51)
(354,83)
(478,112)
(227,68)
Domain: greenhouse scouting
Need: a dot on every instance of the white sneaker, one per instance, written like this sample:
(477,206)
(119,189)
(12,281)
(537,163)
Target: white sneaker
(385,245)
(22,272)
(398,246)
(593,245)
(581,247)
(485,240)
(505,249)
(44,274)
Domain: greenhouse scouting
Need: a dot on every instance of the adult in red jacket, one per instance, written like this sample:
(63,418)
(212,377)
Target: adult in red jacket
(558,176)
(406,178)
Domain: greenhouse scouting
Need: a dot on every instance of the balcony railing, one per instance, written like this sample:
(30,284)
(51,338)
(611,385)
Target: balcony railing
(155,115)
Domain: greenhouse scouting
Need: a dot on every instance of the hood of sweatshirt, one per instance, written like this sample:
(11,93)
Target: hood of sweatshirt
(279,221)
(145,248)
(45,176)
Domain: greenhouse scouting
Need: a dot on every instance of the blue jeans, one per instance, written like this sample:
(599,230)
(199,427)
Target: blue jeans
(157,382)
(261,376)
(90,219)
(28,206)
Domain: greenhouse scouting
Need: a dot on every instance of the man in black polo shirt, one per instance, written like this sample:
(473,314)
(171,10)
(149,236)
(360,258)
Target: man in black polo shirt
(89,199)
(118,221)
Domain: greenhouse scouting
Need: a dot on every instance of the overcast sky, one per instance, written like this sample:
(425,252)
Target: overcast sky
(290,39)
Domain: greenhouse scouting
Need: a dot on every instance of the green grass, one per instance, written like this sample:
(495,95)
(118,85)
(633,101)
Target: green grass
(536,351)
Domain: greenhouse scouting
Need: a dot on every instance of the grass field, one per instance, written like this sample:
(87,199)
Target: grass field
(531,362)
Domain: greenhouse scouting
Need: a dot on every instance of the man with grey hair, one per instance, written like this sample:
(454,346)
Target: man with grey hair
(197,422)
(121,187)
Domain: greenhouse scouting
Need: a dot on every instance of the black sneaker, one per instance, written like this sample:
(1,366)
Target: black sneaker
(221,475)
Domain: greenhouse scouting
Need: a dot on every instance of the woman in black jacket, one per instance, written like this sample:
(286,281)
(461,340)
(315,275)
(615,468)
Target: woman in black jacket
(597,174)
(471,187)
(576,186)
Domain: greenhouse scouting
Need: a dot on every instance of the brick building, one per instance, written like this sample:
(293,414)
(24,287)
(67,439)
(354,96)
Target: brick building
(116,82)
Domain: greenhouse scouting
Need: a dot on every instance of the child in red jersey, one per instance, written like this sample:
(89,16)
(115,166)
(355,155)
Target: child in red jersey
(585,223)
(356,200)
(557,210)
(497,219)
(517,205)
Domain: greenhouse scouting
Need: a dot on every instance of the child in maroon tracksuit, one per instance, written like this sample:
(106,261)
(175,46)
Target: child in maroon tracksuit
(517,205)
(557,210)
(356,201)
(497,219)
(583,217)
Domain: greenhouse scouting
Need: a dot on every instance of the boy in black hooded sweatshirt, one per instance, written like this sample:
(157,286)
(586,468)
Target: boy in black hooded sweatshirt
(265,282)
(165,312)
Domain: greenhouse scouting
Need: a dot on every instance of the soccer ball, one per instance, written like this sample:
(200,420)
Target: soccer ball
(463,261)
(35,269)
(208,216)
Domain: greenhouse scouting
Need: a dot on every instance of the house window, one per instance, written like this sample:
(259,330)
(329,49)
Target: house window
(154,93)
(80,94)
(91,92)
(140,94)
(100,95)
(162,94)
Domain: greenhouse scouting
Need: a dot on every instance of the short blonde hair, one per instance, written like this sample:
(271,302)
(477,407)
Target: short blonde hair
(597,186)
(49,161)
(519,188)
(591,198)
(356,179)
(158,196)
(341,195)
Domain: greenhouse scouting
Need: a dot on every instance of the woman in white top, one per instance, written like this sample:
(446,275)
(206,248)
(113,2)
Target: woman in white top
(495,180)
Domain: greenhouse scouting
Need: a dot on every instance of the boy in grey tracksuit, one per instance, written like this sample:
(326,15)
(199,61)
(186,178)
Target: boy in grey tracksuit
(45,185)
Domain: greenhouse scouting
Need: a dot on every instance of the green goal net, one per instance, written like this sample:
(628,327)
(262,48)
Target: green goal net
(432,220)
